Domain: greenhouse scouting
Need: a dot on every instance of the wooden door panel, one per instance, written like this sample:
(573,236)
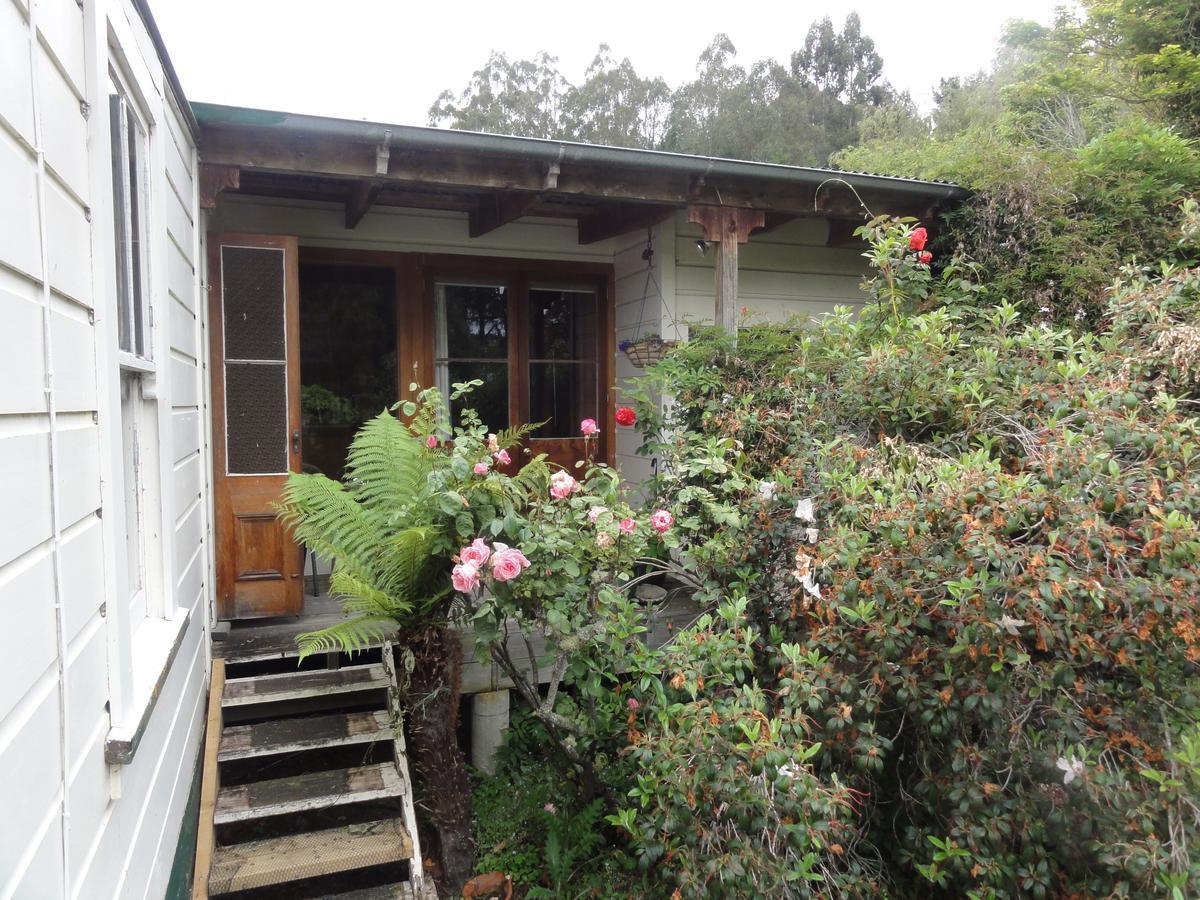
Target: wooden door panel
(254,316)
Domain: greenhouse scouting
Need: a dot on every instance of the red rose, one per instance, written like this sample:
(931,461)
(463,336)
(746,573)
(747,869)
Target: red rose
(626,416)
(917,238)
(925,257)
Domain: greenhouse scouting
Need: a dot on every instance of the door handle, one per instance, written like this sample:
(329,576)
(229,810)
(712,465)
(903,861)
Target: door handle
(296,441)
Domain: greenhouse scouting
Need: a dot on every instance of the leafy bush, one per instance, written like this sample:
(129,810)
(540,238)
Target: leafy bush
(970,551)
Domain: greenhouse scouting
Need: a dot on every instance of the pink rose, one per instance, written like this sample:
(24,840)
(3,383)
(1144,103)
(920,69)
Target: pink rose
(465,578)
(562,485)
(492,444)
(661,521)
(550,808)
(475,553)
(628,526)
(604,539)
(501,457)
(632,703)
(431,442)
(507,562)
(596,512)
(481,468)
(588,427)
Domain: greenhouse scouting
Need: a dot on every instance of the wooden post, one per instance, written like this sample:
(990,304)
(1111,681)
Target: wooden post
(726,227)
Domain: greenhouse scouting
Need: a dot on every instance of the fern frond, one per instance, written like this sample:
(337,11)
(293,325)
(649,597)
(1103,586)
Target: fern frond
(510,437)
(388,467)
(534,478)
(361,598)
(325,517)
(406,561)
(350,636)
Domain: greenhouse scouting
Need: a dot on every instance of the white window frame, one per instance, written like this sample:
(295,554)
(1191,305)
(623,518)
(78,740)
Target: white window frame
(137,364)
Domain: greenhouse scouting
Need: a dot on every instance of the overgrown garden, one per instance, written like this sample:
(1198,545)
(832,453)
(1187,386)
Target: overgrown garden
(946,549)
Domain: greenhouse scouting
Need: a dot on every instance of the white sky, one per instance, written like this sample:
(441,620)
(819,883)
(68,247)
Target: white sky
(387,60)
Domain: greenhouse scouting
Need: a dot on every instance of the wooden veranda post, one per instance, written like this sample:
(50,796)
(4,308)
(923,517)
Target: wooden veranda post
(725,227)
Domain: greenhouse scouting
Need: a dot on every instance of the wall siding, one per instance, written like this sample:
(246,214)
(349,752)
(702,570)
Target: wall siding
(786,272)
(52,734)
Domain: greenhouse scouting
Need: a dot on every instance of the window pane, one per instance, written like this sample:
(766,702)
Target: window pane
(256,425)
(136,227)
(253,298)
(120,191)
(562,324)
(472,321)
(131,399)
(564,393)
(490,400)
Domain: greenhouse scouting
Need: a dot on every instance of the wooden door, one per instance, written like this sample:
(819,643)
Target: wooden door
(255,352)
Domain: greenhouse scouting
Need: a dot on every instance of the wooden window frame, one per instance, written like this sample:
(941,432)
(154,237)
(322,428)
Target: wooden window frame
(416,275)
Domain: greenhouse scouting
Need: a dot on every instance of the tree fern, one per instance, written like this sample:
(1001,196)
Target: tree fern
(377,532)
(388,467)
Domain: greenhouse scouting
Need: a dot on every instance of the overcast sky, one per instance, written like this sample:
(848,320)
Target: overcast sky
(387,60)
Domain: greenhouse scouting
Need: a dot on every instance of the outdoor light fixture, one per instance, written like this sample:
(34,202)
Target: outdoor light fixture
(702,247)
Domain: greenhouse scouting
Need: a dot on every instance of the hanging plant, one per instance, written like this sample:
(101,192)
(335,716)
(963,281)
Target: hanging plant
(645,350)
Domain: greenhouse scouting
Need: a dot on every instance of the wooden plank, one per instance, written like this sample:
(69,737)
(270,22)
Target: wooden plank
(401,890)
(295,735)
(312,854)
(209,785)
(254,643)
(400,761)
(300,793)
(301,685)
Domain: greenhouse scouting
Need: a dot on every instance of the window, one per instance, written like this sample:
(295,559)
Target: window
(127,139)
(563,340)
(537,347)
(128,144)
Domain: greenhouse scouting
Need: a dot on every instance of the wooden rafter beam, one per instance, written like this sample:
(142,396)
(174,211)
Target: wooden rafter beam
(359,200)
(620,218)
(726,228)
(773,220)
(214,179)
(494,210)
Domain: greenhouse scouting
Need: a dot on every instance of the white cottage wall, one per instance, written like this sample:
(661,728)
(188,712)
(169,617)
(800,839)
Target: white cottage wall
(77,672)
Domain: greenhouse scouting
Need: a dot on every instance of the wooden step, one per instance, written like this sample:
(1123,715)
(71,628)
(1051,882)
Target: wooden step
(257,864)
(293,735)
(400,890)
(302,685)
(314,790)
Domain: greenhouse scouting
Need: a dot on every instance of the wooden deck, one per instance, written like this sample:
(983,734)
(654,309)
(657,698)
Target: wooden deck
(259,639)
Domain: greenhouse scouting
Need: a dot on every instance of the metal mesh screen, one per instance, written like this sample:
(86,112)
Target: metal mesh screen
(252,288)
(256,427)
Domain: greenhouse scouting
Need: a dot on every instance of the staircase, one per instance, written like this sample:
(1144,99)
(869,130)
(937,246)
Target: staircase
(306,789)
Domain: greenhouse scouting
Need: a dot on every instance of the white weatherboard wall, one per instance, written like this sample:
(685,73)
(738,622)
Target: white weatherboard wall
(74,666)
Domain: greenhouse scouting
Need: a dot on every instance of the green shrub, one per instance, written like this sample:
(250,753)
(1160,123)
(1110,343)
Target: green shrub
(980,537)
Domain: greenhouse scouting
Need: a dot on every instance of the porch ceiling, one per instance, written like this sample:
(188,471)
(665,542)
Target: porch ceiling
(497,179)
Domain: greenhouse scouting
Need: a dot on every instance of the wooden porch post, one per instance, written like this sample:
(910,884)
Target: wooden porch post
(726,227)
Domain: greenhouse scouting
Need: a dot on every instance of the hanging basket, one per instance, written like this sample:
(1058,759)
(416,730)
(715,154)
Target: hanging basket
(646,351)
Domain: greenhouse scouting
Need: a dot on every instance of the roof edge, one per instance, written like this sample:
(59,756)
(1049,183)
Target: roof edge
(556,151)
(181,100)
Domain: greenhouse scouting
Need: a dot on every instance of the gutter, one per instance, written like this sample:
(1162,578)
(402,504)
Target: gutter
(443,140)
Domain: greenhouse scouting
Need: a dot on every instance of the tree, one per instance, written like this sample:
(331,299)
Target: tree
(522,97)
(842,65)
(615,106)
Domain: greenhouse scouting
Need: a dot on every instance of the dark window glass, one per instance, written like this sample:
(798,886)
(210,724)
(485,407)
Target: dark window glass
(562,324)
(126,150)
(472,343)
(347,357)
(565,394)
(256,418)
